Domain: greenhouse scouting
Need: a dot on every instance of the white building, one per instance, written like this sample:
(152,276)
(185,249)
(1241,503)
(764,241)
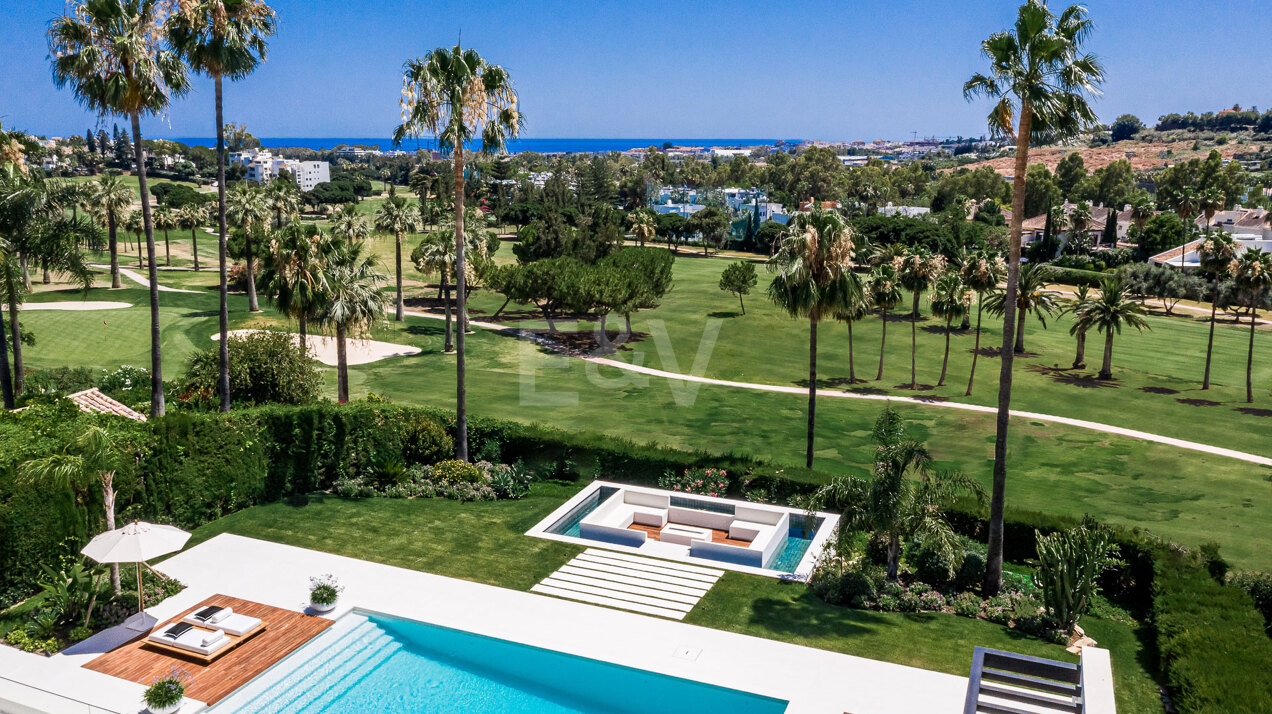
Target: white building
(907,211)
(263,167)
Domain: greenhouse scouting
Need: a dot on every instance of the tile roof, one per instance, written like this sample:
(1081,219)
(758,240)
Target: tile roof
(92,400)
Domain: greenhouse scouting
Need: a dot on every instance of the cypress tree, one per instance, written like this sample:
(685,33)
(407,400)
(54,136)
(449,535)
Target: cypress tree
(1109,237)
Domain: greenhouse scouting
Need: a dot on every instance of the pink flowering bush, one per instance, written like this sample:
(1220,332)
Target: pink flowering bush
(704,482)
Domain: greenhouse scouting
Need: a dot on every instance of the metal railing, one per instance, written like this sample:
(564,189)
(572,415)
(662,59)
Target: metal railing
(1009,683)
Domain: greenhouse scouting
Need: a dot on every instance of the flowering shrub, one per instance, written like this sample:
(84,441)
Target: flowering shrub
(454,471)
(455,480)
(966,604)
(931,601)
(704,482)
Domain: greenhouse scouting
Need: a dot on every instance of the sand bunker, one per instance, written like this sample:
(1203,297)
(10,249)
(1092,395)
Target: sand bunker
(81,305)
(323,348)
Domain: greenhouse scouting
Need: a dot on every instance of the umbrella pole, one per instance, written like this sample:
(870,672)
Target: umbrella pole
(140,607)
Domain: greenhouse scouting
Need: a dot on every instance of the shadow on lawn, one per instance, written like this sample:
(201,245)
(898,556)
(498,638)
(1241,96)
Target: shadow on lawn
(1063,375)
(1194,402)
(1251,411)
(1159,390)
(724,314)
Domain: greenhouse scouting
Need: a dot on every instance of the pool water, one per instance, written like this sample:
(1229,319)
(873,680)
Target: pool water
(568,525)
(376,663)
(800,536)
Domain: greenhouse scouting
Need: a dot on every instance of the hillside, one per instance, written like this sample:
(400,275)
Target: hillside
(1143,155)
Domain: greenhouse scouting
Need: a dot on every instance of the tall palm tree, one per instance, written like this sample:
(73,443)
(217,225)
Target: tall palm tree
(884,290)
(904,498)
(114,55)
(220,39)
(1074,306)
(135,223)
(294,278)
(1032,296)
(855,313)
(192,216)
(165,220)
(110,198)
(814,280)
(981,272)
(1079,220)
(248,209)
(643,225)
(950,300)
(1216,253)
(1252,272)
(349,225)
(284,199)
(1210,202)
(1039,79)
(351,302)
(94,457)
(1142,209)
(455,95)
(918,268)
(436,254)
(398,217)
(1107,313)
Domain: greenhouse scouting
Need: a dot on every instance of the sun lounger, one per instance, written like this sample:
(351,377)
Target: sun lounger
(223,618)
(188,639)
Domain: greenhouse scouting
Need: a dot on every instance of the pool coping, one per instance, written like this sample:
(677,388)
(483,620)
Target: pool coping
(801,573)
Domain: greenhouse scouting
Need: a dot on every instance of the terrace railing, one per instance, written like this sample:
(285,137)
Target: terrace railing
(1009,683)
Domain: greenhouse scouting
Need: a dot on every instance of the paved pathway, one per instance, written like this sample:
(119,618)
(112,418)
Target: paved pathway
(787,389)
(144,282)
(631,582)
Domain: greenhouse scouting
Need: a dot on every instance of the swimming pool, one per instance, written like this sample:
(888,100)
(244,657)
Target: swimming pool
(369,662)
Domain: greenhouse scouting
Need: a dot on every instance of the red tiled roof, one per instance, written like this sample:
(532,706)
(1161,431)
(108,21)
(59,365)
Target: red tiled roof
(92,400)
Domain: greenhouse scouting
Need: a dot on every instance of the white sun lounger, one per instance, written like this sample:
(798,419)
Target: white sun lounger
(196,641)
(226,619)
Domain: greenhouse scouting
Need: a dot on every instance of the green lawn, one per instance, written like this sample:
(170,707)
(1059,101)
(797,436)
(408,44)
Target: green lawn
(485,542)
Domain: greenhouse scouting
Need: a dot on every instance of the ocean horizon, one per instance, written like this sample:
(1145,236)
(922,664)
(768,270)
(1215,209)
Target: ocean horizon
(543,146)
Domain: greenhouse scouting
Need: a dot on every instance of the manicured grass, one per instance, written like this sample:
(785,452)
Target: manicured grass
(484,542)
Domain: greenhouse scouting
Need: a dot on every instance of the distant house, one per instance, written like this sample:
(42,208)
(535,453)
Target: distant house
(1185,257)
(906,211)
(1243,221)
(1034,228)
(825,205)
(93,401)
(263,167)
(684,209)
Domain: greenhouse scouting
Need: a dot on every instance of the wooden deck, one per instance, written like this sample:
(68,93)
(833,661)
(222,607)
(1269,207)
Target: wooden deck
(286,630)
(717,536)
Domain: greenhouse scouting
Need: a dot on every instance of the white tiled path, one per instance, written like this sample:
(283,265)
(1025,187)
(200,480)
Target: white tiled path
(631,582)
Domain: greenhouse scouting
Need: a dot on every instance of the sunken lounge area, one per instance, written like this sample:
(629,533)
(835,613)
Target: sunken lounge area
(221,667)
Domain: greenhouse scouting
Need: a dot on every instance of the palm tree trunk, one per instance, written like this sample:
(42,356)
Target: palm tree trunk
(194,243)
(852,372)
(1210,343)
(342,366)
(1106,369)
(25,264)
(47,276)
(1249,354)
(113,233)
(19,370)
(449,347)
(883,341)
(252,305)
(1020,331)
(397,313)
(108,503)
(224,379)
(6,378)
(461,299)
(975,350)
(894,556)
(140,261)
(167,249)
(156,335)
(812,388)
(914,340)
(997,503)
(945,362)
(303,319)
(1079,359)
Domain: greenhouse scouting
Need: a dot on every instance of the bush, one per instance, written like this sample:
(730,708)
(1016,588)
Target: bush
(966,604)
(877,549)
(934,567)
(839,583)
(266,367)
(453,472)
(972,571)
(932,602)
(59,381)
(702,481)
(1259,586)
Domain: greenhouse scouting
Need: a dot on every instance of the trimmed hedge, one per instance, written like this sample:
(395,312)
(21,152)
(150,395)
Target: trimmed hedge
(1074,276)
(1214,652)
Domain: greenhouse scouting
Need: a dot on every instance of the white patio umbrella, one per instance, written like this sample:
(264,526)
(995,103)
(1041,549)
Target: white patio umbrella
(135,543)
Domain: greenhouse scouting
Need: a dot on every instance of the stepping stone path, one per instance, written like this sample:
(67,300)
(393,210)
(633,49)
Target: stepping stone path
(631,582)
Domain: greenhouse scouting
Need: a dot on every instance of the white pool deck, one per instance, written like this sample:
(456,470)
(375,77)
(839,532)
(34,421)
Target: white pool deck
(811,680)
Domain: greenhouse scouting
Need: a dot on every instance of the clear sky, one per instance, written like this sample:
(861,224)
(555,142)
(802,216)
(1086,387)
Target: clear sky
(847,69)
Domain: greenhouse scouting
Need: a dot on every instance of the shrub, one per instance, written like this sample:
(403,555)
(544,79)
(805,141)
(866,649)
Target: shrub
(909,601)
(702,481)
(888,603)
(20,639)
(1069,567)
(1259,586)
(932,601)
(165,692)
(59,381)
(79,633)
(509,481)
(971,573)
(126,384)
(877,549)
(424,441)
(266,367)
(934,567)
(837,582)
(966,604)
(324,589)
(453,472)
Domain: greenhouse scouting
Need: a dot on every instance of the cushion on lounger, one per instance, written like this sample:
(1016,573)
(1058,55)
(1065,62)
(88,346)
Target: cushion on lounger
(211,637)
(206,613)
(224,613)
(178,630)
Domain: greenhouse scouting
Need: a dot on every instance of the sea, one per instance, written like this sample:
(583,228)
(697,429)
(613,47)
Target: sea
(543,146)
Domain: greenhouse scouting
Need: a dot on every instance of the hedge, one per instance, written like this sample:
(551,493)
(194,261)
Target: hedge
(1214,652)
(1074,276)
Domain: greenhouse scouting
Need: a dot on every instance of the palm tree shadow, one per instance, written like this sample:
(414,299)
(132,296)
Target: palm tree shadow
(1195,402)
(723,314)
(1159,390)
(1061,375)
(1251,411)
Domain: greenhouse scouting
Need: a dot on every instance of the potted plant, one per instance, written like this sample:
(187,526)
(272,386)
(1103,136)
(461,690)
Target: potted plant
(166,694)
(324,591)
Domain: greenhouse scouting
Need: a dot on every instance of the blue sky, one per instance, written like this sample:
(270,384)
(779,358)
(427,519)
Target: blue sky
(859,69)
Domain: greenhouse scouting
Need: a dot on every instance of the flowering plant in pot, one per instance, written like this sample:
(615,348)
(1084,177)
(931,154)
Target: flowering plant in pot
(166,694)
(324,592)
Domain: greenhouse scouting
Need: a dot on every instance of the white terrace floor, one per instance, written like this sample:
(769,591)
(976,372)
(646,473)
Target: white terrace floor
(811,680)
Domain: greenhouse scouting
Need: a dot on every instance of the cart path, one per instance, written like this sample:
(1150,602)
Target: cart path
(927,402)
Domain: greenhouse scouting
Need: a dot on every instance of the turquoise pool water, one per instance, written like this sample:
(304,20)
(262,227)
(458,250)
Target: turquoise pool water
(798,539)
(376,663)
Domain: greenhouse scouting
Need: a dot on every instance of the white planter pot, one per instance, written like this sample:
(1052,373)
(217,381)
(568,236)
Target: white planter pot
(166,710)
(322,608)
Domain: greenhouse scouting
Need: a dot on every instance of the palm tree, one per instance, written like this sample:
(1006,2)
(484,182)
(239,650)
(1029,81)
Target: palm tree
(1141,210)
(643,225)
(284,199)
(110,198)
(856,312)
(981,272)
(1040,79)
(951,301)
(192,216)
(219,39)
(1252,273)
(1210,202)
(1108,313)
(398,217)
(455,95)
(294,278)
(349,225)
(1074,306)
(904,498)
(918,269)
(814,280)
(135,224)
(165,220)
(436,254)
(1215,253)
(248,209)
(92,457)
(884,294)
(1079,221)
(1033,296)
(114,55)
(351,302)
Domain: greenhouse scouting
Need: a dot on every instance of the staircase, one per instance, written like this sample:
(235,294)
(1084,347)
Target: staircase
(1009,683)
